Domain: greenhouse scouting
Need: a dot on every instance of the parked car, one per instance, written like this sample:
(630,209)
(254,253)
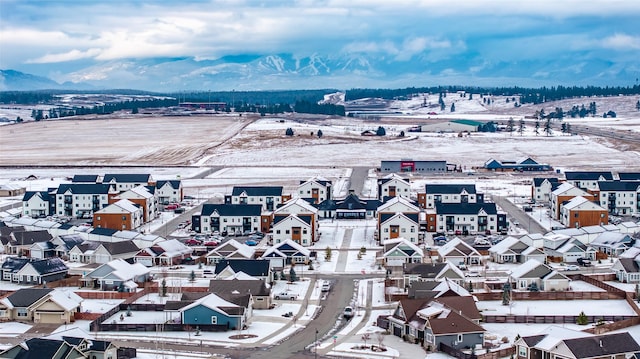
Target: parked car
(171,206)
(584,262)
(572,267)
(192,242)
(211,244)
(473,274)
(326,286)
(251,242)
(286,295)
(348,312)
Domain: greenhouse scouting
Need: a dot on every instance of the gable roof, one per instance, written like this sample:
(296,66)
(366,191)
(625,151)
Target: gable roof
(629,176)
(121,247)
(257,191)
(27,296)
(450,188)
(465,208)
(602,345)
(49,265)
(85,178)
(175,184)
(42,194)
(537,181)
(227,289)
(217,303)
(231,210)
(27,238)
(622,186)
(127,177)
(83,188)
(252,267)
(587,175)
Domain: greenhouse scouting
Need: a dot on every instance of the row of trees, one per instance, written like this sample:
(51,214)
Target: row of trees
(133,105)
(526,95)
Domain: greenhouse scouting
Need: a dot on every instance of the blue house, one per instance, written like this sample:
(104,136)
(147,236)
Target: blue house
(212,312)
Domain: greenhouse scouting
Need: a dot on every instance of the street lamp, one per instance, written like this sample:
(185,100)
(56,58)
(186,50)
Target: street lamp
(315,346)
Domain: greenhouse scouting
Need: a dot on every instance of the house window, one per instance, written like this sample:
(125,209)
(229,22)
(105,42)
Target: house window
(459,338)
(124,218)
(22,312)
(522,351)
(214,319)
(287,231)
(277,231)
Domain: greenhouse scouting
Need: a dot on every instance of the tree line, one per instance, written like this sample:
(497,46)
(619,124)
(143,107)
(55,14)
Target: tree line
(523,94)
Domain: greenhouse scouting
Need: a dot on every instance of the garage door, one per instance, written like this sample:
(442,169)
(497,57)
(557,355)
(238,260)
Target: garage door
(51,318)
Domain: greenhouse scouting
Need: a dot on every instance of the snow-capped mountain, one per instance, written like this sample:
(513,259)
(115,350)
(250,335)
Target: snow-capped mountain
(286,71)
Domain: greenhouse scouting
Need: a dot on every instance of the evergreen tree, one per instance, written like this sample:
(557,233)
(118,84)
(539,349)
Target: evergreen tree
(470,96)
(381,131)
(134,110)
(319,133)
(521,126)
(292,275)
(537,127)
(453,107)
(192,276)
(582,319)
(547,127)
(327,254)
(289,131)
(638,105)
(164,287)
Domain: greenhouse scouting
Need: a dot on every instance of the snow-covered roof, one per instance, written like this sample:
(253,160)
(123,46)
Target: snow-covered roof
(296,202)
(503,245)
(525,268)
(555,334)
(211,301)
(66,299)
(240,276)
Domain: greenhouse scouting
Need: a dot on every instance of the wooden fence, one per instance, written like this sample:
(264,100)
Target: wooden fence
(550,319)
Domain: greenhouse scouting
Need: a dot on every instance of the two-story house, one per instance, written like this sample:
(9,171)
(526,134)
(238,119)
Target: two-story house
(393,185)
(126,181)
(38,204)
(121,215)
(227,218)
(269,197)
(141,196)
(169,191)
(542,187)
(587,180)
(467,218)
(564,193)
(315,190)
(296,220)
(449,193)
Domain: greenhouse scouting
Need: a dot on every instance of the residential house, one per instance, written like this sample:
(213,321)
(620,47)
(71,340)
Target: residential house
(523,164)
(542,187)
(587,181)
(213,311)
(396,252)
(227,218)
(80,200)
(126,181)
(285,253)
(352,207)
(38,204)
(434,325)
(230,249)
(315,190)
(459,252)
(413,272)
(64,244)
(58,347)
(398,217)
(33,271)
(142,197)
(449,193)
(108,251)
(468,218)
(533,240)
(629,176)
(269,197)
(570,251)
(441,289)
(393,185)
(11,190)
(40,305)
(579,212)
(620,198)
(86,179)
(627,270)
(514,250)
(117,275)
(20,242)
(83,252)
(257,268)
(122,214)
(533,275)
(612,243)
(164,253)
(243,291)
(558,342)
(296,220)
(169,191)
(564,193)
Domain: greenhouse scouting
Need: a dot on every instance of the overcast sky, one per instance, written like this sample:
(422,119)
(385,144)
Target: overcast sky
(59,31)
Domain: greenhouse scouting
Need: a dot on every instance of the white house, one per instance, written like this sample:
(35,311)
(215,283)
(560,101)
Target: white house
(169,191)
(81,200)
(621,198)
(514,250)
(227,218)
(126,181)
(449,193)
(542,188)
(317,189)
(298,228)
(533,275)
(393,185)
(230,249)
(397,252)
(587,180)
(457,252)
(36,204)
(396,225)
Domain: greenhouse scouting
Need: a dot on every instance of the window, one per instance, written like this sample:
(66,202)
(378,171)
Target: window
(124,218)
(287,231)
(522,351)
(460,338)
(214,319)
(22,312)
(277,231)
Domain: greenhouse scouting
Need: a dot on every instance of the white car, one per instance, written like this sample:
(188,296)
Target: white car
(572,267)
(473,274)
(286,295)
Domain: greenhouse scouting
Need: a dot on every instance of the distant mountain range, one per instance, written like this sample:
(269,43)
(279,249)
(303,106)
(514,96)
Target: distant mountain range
(285,71)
